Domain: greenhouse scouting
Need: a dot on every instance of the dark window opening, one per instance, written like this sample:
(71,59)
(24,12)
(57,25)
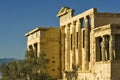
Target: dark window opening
(98,49)
(82,21)
(83,38)
(36,49)
(116,44)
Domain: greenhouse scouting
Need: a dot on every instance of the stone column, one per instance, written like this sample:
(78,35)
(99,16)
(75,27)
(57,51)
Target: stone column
(103,48)
(68,46)
(87,42)
(65,48)
(112,47)
(38,50)
(72,51)
(79,50)
(76,43)
(71,41)
(73,27)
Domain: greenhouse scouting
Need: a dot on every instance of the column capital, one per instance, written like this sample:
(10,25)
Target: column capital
(78,25)
(78,22)
(85,18)
(86,23)
(72,27)
(67,28)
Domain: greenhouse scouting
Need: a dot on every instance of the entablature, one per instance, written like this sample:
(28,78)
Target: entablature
(107,30)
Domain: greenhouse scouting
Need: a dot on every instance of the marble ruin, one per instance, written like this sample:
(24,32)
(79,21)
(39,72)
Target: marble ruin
(87,44)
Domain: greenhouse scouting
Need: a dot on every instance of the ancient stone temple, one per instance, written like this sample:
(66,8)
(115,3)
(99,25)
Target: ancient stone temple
(87,45)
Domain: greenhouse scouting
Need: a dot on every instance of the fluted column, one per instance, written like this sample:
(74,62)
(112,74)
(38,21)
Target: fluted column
(112,48)
(68,46)
(79,45)
(87,43)
(65,47)
(72,51)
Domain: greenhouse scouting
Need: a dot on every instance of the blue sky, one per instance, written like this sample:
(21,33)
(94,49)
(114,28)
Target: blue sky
(17,17)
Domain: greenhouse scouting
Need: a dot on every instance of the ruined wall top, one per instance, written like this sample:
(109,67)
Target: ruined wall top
(38,29)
